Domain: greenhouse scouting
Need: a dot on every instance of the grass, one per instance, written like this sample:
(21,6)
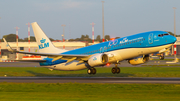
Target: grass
(88,92)
(161,65)
(163,59)
(147,71)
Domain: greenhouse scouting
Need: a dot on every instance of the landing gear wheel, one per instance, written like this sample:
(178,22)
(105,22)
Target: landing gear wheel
(91,71)
(118,70)
(94,70)
(161,57)
(114,70)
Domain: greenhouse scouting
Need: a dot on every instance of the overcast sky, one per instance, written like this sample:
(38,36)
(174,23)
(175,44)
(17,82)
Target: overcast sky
(121,17)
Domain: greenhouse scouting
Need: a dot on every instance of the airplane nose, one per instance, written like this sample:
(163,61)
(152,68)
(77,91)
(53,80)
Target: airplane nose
(174,39)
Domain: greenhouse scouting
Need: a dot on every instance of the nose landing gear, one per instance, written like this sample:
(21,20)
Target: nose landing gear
(161,57)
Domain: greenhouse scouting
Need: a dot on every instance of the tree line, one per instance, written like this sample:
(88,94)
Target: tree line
(12,38)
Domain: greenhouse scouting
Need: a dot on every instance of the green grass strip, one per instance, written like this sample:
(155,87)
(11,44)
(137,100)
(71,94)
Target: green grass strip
(88,92)
(147,71)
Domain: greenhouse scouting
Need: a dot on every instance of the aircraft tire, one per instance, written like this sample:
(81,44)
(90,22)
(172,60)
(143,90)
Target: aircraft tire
(118,70)
(161,57)
(91,71)
(114,70)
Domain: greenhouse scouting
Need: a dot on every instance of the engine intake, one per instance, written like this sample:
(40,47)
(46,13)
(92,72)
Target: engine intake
(140,60)
(98,59)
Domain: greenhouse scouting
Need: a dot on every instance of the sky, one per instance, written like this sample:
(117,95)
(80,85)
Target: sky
(121,17)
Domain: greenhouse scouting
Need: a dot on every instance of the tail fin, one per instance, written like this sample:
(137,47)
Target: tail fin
(44,44)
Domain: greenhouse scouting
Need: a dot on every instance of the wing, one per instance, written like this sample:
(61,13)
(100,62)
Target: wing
(69,57)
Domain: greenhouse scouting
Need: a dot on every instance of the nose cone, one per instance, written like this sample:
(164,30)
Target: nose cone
(174,39)
(171,39)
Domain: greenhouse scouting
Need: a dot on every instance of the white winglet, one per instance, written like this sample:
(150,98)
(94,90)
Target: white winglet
(8,46)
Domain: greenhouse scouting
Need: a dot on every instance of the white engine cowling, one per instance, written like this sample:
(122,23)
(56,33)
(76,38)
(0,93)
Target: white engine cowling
(140,60)
(98,59)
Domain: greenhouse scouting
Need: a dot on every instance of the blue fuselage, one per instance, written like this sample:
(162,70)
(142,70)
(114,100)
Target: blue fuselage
(143,40)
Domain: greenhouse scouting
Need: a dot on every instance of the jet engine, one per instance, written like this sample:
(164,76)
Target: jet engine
(139,60)
(98,59)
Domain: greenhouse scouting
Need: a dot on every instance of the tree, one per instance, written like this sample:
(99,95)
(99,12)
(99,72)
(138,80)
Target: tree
(32,39)
(82,37)
(51,39)
(117,37)
(171,33)
(87,36)
(77,39)
(71,40)
(98,38)
(10,37)
(107,37)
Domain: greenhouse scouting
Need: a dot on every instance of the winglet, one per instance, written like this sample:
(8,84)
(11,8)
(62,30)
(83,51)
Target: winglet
(8,46)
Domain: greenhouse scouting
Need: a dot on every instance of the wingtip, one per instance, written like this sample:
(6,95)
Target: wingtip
(7,45)
(4,40)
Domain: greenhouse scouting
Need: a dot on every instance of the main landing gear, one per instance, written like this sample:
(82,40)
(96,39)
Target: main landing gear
(91,70)
(116,70)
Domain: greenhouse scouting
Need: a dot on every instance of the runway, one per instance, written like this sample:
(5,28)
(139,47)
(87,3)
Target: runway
(137,80)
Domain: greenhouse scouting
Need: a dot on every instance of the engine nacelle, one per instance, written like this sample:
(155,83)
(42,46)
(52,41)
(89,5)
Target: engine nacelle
(140,60)
(98,59)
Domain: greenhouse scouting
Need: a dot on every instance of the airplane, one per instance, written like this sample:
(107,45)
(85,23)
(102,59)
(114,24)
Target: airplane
(135,49)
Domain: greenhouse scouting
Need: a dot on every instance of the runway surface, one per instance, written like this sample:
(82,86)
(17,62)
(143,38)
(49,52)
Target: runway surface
(90,80)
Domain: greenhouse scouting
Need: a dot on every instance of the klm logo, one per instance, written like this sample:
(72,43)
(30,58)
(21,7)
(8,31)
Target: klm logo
(94,59)
(43,44)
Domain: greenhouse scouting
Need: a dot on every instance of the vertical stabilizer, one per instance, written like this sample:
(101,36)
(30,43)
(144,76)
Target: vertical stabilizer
(44,44)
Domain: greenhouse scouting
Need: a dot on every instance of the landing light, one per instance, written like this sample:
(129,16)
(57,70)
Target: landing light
(107,64)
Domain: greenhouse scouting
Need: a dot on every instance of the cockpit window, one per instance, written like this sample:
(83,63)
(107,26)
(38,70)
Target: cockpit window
(166,34)
(161,35)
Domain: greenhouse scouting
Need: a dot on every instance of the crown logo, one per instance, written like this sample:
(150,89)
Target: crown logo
(43,40)
(94,59)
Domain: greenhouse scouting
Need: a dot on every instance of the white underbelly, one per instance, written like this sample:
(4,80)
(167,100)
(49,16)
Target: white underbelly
(123,54)
(68,66)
